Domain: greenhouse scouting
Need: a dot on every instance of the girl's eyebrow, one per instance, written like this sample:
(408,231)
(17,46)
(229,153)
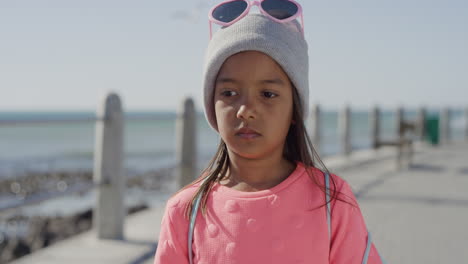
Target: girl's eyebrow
(276,81)
(225,80)
(272,81)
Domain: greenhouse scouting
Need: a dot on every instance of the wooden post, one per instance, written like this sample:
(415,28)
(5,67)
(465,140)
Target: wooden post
(444,126)
(109,212)
(466,123)
(344,128)
(375,127)
(186,153)
(421,124)
(315,127)
(399,119)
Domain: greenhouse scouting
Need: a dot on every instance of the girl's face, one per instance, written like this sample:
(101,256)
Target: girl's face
(253,105)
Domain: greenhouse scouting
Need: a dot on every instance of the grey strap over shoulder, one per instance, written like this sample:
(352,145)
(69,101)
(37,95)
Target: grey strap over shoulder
(328,199)
(193,216)
(369,237)
(192,226)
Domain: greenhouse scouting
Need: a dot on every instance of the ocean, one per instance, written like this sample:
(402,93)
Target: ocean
(149,143)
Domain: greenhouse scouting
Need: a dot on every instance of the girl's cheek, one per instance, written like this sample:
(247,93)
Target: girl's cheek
(225,107)
(220,107)
(224,113)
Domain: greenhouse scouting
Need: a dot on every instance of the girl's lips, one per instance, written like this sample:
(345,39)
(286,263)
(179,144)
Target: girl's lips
(248,135)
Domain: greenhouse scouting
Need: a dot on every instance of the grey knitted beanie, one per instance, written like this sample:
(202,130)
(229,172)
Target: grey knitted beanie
(283,42)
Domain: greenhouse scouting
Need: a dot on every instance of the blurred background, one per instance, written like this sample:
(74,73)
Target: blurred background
(59,58)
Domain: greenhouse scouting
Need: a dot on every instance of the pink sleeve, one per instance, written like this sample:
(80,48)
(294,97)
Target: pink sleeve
(172,243)
(349,232)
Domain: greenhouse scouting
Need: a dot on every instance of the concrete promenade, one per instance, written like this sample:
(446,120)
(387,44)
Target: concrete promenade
(416,215)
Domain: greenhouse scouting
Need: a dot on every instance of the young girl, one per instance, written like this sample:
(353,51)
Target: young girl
(262,197)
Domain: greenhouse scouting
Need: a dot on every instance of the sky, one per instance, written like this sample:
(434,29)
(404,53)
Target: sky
(66,55)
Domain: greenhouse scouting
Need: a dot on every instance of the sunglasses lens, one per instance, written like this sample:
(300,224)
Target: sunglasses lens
(229,11)
(280,9)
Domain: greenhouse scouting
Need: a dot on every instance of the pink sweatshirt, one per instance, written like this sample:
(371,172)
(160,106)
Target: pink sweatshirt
(271,226)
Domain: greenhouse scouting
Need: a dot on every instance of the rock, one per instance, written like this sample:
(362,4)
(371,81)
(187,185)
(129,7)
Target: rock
(137,208)
(20,249)
(41,232)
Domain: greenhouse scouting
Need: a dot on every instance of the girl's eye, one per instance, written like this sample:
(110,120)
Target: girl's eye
(269,94)
(228,93)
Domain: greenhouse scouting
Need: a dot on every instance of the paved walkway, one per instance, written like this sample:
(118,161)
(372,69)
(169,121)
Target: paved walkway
(420,214)
(416,215)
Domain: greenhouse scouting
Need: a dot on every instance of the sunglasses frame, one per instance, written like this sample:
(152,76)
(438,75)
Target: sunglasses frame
(211,19)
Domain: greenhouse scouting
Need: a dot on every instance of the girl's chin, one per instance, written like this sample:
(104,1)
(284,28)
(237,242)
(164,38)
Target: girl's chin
(249,153)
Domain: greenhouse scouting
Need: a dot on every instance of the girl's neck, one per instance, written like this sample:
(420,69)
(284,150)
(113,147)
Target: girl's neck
(252,175)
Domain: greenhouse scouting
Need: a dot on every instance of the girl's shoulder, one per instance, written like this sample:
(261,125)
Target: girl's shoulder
(336,183)
(320,175)
(182,197)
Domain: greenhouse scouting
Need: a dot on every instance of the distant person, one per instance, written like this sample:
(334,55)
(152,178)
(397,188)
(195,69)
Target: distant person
(263,198)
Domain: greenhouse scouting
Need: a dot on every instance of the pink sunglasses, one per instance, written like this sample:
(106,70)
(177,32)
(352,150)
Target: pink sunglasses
(231,11)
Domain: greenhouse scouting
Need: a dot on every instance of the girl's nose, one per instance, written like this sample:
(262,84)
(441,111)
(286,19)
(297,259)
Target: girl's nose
(246,110)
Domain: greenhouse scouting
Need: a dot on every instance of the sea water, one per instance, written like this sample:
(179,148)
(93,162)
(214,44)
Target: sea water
(149,139)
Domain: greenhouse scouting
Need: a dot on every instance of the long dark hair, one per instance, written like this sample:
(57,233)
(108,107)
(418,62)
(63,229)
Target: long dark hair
(298,148)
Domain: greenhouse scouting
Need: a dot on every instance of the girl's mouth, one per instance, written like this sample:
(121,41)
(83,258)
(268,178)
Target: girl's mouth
(248,135)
